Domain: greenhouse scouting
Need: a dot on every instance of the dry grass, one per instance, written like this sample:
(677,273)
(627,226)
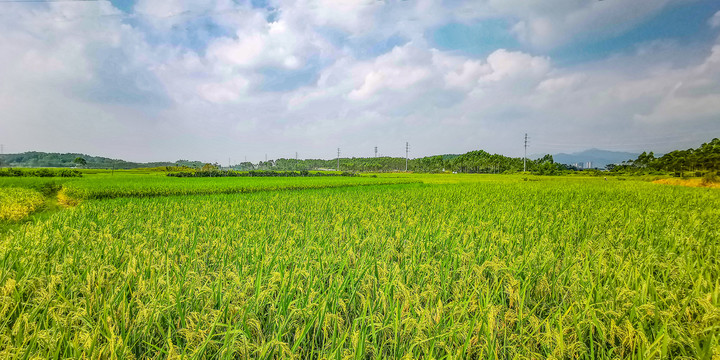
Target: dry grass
(688,182)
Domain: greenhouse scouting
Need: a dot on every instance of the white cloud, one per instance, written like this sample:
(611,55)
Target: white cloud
(715,20)
(514,64)
(689,93)
(353,16)
(274,44)
(398,70)
(547,24)
(561,83)
(103,80)
(228,91)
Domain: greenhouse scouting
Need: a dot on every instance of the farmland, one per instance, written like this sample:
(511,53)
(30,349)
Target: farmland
(18,203)
(415,266)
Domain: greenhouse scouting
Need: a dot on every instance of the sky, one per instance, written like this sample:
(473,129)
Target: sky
(219,80)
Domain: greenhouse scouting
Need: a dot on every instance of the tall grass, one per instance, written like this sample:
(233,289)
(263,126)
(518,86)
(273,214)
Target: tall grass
(492,270)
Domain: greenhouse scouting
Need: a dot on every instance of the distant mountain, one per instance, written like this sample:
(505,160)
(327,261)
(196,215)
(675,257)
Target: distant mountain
(41,159)
(598,158)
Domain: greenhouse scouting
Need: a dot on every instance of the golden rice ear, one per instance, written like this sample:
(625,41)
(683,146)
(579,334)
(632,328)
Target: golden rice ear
(497,268)
(18,203)
(64,199)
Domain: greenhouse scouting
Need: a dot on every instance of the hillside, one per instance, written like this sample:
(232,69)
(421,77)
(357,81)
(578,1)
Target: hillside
(41,159)
(598,158)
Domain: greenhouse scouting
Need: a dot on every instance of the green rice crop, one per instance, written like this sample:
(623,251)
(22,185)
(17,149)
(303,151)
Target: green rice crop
(145,186)
(18,203)
(488,270)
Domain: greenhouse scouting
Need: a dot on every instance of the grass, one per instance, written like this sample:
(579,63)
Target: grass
(497,268)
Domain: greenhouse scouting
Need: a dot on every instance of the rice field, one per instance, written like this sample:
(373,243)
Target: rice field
(17,203)
(148,186)
(451,268)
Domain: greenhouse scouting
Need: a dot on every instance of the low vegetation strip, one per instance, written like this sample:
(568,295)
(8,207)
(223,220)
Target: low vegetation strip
(17,203)
(688,182)
(15,172)
(150,186)
(493,270)
(258,173)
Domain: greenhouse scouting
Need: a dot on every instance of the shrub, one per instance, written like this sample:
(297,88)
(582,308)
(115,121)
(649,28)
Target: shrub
(710,178)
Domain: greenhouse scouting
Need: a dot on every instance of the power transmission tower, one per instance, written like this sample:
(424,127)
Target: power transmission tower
(525,156)
(407,154)
(376,151)
(2,152)
(296,161)
(338,160)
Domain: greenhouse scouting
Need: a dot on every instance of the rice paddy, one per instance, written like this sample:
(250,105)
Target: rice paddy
(455,267)
(18,203)
(147,186)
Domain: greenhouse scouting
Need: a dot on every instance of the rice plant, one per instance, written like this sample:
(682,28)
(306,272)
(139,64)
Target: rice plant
(18,203)
(146,186)
(493,269)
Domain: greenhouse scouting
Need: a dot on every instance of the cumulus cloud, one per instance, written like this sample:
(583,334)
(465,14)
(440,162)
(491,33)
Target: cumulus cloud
(690,93)
(547,24)
(273,44)
(87,72)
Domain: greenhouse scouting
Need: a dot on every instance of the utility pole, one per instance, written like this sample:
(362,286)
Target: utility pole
(407,154)
(338,160)
(376,151)
(525,156)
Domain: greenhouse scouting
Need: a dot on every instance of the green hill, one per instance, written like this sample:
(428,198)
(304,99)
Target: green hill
(35,159)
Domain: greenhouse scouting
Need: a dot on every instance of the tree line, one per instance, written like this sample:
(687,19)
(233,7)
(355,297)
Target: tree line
(479,161)
(705,158)
(36,159)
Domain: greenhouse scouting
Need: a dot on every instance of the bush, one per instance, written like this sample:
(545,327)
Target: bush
(44,173)
(710,178)
(40,173)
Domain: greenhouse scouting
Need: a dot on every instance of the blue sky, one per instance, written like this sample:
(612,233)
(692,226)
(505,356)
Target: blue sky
(212,79)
